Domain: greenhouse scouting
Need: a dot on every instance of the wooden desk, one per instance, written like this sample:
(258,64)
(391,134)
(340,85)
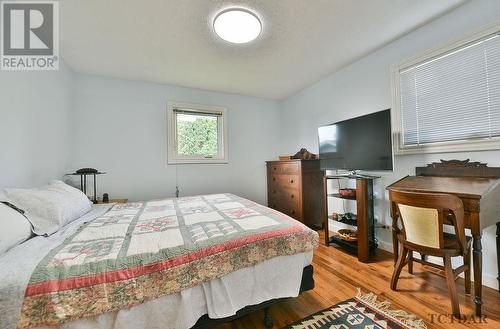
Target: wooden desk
(478,186)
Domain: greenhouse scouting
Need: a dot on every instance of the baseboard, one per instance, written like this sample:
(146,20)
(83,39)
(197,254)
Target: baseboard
(490,281)
(385,246)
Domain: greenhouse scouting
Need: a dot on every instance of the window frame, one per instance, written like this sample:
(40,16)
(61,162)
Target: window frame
(480,144)
(172,155)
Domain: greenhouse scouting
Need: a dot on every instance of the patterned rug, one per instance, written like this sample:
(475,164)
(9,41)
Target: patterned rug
(360,312)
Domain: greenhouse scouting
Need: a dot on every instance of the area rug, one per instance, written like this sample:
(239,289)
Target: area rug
(360,312)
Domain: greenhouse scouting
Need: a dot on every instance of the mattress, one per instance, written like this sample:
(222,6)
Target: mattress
(175,260)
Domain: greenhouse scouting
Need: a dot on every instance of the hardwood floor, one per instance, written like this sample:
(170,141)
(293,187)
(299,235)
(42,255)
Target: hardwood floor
(337,274)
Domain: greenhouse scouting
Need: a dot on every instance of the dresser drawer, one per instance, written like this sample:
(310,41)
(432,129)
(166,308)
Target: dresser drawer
(289,207)
(283,168)
(284,194)
(277,181)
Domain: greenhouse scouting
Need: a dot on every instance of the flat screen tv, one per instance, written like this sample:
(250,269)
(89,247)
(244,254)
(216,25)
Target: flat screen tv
(362,143)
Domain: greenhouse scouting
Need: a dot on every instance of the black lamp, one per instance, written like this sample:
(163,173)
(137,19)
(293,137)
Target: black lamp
(83,173)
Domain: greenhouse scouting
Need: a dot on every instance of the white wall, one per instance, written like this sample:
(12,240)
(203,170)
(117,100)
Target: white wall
(364,87)
(121,129)
(35,126)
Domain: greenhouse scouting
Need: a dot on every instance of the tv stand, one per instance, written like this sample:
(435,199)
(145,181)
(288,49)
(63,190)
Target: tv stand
(352,175)
(365,222)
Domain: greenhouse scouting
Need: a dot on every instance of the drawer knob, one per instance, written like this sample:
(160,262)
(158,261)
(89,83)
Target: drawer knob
(274,178)
(291,181)
(274,168)
(292,196)
(274,191)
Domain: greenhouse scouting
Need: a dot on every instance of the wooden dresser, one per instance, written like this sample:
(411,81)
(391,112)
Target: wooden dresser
(295,188)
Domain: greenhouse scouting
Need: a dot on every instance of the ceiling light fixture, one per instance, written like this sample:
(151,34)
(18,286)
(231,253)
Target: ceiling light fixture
(237,25)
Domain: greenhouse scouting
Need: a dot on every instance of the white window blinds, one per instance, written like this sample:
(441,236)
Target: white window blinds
(455,96)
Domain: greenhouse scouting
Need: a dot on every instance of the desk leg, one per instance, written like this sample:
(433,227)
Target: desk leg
(498,254)
(477,255)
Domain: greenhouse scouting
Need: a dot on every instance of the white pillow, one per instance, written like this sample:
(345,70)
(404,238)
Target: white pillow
(50,207)
(15,228)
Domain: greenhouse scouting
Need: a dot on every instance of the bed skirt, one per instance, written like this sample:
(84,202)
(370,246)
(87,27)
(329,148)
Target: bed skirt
(306,284)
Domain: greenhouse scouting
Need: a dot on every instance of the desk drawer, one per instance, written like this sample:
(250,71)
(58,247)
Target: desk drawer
(471,205)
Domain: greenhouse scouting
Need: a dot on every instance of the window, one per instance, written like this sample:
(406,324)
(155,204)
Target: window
(196,134)
(449,99)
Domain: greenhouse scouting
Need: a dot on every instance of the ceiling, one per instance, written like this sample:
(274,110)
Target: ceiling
(172,41)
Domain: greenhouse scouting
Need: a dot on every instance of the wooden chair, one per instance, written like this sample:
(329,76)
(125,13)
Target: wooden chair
(422,216)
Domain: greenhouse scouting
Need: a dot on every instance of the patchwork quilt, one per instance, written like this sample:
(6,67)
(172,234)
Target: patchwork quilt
(139,251)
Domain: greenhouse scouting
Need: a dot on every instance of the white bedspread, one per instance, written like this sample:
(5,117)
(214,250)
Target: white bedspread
(17,265)
(275,278)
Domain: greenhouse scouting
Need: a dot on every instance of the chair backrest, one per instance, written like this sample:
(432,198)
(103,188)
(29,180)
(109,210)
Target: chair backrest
(423,214)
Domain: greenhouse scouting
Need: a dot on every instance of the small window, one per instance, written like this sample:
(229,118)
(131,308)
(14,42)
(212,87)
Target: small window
(449,99)
(196,134)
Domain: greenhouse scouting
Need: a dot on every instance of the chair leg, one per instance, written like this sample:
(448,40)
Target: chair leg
(450,280)
(410,262)
(467,272)
(403,252)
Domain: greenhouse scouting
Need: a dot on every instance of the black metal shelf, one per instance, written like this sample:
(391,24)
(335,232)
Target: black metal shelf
(338,195)
(364,222)
(350,176)
(353,222)
(351,246)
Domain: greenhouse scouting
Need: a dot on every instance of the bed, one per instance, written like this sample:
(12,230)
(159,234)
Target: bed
(171,263)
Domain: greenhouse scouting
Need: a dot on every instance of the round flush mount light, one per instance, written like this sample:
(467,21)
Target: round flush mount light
(237,25)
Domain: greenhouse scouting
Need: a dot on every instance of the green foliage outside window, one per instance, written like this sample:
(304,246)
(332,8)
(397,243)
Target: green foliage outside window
(197,135)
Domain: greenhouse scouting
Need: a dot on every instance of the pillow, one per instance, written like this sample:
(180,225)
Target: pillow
(50,207)
(15,228)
